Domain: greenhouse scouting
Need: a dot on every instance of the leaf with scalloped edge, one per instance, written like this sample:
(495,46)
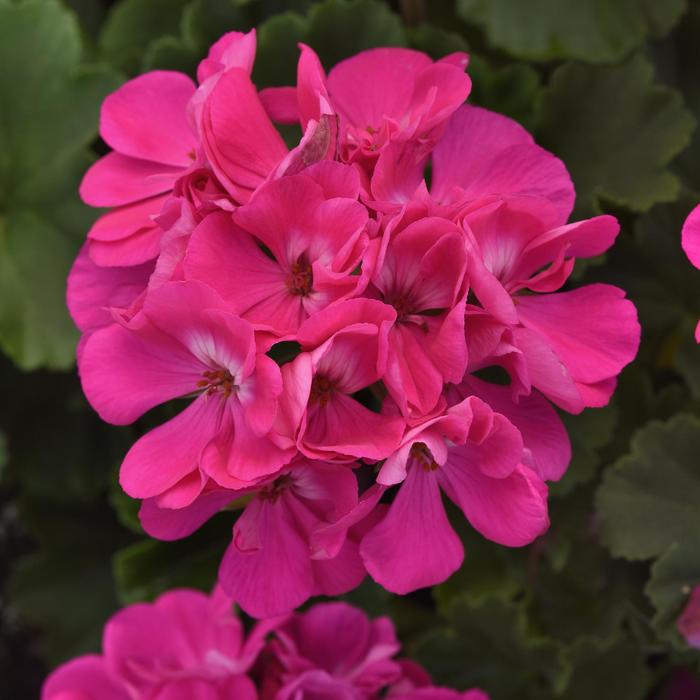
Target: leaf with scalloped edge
(649,499)
(48,117)
(673,576)
(597,31)
(617,131)
(490,645)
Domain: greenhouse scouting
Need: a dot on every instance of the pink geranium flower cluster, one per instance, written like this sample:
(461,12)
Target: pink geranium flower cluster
(328,315)
(190,646)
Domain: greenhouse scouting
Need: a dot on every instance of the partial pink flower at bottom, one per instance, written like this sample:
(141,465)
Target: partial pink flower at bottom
(689,622)
(184,646)
(436,693)
(333,652)
(691,245)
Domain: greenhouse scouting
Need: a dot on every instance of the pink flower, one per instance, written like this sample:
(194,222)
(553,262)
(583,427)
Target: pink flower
(145,122)
(323,310)
(190,646)
(475,456)
(232,50)
(184,646)
(344,350)
(689,622)
(268,569)
(435,693)
(333,652)
(313,233)
(691,246)
(422,274)
(242,145)
(481,154)
(94,294)
(570,345)
(391,94)
(185,342)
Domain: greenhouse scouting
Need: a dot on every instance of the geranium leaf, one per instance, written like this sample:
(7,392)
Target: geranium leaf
(597,31)
(649,499)
(48,117)
(621,156)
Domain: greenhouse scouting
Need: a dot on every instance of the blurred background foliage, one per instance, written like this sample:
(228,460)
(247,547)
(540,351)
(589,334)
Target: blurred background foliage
(613,88)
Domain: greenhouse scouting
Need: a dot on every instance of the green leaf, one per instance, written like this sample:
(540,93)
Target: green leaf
(147,568)
(683,73)
(574,589)
(3,455)
(489,570)
(65,588)
(597,31)
(617,131)
(489,645)
(435,41)
(132,25)
(340,28)
(589,432)
(91,14)
(277,55)
(48,116)
(649,499)
(169,53)
(610,671)
(673,577)
(125,507)
(512,90)
(34,261)
(204,21)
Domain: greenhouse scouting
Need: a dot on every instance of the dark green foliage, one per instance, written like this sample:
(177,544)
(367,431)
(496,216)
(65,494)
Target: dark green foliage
(613,88)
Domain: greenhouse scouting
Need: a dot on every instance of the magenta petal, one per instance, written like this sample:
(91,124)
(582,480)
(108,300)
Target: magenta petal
(93,290)
(140,638)
(346,427)
(340,575)
(311,92)
(126,372)
(404,552)
(365,102)
(128,235)
(511,511)
(228,259)
(688,623)
(335,179)
(277,577)
(239,139)
(238,457)
(171,451)
(170,524)
(593,330)
(233,49)
(147,118)
(544,435)
(546,372)
(84,678)
(399,171)
(691,237)
(483,153)
(582,239)
(281,104)
(317,685)
(116,179)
